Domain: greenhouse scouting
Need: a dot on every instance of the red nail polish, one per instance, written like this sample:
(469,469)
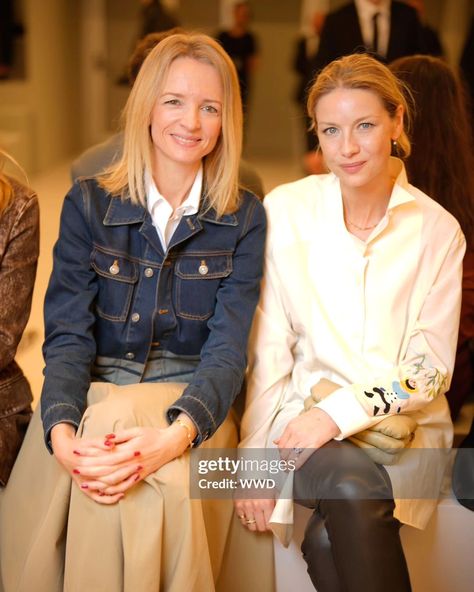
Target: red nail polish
(137,477)
(108,443)
(76,452)
(101,493)
(139,468)
(84,486)
(76,472)
(136,453)
(109,436)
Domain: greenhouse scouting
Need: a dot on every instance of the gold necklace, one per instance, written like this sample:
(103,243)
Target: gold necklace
(360,227)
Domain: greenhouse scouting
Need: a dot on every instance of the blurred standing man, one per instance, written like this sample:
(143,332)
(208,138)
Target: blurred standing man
(385,28)
(242,46)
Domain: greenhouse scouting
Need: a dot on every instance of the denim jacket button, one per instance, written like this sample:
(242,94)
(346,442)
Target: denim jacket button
(135,317)
(130,356)
(114,268)
(148,272)
(203,268)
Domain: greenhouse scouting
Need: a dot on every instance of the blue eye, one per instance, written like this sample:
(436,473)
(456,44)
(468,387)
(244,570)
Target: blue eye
(209,109)
(366,125)
(330,131)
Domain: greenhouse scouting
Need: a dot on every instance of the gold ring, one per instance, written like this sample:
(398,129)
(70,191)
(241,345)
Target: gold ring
(250,522)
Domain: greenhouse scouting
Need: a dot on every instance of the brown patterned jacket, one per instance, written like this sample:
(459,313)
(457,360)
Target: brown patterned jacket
(19,246)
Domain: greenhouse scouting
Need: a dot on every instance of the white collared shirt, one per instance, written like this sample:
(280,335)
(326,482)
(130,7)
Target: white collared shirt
(165,220)
(366,11)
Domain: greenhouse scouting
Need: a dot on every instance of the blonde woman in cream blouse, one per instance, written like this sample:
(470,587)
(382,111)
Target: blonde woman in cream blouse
(362,287)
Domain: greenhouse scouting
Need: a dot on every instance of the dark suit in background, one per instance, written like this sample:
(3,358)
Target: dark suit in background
(342,35)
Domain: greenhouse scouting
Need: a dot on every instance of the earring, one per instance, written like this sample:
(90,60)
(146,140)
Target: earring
(394,147)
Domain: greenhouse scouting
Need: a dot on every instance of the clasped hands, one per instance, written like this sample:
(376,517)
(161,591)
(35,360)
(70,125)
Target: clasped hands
(105,468)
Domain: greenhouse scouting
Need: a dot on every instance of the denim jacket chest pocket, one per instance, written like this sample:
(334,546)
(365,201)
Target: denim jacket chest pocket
(116,275)
(197,279)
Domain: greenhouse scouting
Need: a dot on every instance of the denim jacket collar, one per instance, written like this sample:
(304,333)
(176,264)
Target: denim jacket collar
(123,211)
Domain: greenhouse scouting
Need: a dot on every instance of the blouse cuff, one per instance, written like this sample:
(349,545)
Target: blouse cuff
(345,410)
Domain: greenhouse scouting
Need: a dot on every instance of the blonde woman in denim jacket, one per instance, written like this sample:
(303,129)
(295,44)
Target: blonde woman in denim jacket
(155,280)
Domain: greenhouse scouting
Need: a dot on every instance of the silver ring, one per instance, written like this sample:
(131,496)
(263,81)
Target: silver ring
(250,522)
(298,451)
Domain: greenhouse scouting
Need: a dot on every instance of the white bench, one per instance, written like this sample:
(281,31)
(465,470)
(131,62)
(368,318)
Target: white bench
(440,558)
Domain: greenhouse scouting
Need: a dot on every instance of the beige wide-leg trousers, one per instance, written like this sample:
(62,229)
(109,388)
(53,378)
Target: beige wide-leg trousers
(55,538)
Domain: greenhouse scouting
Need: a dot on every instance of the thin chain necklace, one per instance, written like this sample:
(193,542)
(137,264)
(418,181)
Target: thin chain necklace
(360,227)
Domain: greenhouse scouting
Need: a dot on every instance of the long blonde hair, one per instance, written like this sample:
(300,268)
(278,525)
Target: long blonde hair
(221,166)
(360,71)
(6,189)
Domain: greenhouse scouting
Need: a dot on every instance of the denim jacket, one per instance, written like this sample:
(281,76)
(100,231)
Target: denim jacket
(116,299)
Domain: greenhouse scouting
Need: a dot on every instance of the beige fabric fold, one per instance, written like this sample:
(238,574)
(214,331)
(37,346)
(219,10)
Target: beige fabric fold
(54,538)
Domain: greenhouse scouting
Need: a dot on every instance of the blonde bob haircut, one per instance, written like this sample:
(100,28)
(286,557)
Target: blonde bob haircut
(360,71)
(127,177)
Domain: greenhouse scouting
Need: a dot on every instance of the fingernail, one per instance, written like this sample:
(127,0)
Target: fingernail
(139,468)
(109,436)
(76,472)
(136,453)
(137,477)
(76,452)
(84,486)
(101,493)
(108,443)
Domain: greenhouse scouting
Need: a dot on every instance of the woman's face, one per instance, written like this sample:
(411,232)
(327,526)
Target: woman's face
(187,117)
(355,133)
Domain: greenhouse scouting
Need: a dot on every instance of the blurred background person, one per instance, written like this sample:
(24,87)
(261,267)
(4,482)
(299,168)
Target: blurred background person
(305,54)
(467,68)
(19,248)
(10,29)
(386,28)
(242,46)
(97,158)
(430,41)
(155,18)
(441,164)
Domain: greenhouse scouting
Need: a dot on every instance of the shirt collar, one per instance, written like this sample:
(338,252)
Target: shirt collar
(366,9)
(401,189)
(189,206)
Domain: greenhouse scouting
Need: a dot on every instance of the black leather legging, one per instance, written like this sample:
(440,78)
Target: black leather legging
(352,541)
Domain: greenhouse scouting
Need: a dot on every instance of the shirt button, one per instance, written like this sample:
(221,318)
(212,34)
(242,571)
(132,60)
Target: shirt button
(148,272)
(135,317)
(130,356)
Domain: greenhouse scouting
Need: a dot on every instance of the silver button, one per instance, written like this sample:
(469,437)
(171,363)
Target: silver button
(130,356)
(114,268)
(148,272)
(203,268)
(135,317)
